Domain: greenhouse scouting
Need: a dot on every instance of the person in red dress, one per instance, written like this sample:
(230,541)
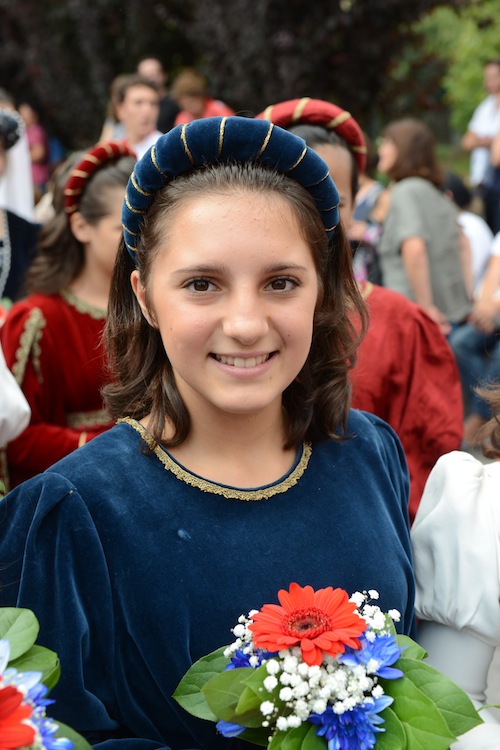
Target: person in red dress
(52,339)
(405,372)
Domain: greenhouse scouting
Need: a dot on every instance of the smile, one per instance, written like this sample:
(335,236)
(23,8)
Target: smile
(245,362)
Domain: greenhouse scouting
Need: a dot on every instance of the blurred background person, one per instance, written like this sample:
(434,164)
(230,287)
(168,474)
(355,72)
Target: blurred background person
(365,230)
(474,227)
(405,371)
(52,339)
(477,348)
(113,129)
(482,128)
(18,236)
(190,90)
(422,250)
(38,142)
(152,69)
(137,108)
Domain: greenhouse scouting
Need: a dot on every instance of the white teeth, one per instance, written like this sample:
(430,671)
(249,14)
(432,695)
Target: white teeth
(242,362)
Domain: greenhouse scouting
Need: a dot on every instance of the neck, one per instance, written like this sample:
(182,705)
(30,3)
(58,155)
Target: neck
(238,450)
(92,286)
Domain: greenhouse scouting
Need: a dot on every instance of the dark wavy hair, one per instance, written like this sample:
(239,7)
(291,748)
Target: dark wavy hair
(416,147)
(61,256)
(317,403)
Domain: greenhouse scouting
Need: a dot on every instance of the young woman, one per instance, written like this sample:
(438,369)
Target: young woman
(237,467)
(405,373)
(51,340)
(423,253)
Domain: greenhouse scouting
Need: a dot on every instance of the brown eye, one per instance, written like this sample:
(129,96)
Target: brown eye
(283,284)
(200,285)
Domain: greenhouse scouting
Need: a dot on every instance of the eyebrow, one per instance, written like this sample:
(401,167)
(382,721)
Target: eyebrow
(220,270)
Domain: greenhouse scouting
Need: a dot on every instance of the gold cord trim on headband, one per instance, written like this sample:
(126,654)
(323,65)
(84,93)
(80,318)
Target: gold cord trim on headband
(299,109)
(221,134)
(184,143)
(139,189)
(266,140)
(94,159)
(134,234)
(131,208)
(267,112)
(304,152)
(155,163)
(339,120)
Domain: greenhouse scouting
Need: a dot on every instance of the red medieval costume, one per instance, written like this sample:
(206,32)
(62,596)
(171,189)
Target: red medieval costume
(52,344)
(406,374)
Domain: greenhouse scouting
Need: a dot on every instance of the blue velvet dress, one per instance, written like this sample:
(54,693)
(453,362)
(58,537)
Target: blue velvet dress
(135,567)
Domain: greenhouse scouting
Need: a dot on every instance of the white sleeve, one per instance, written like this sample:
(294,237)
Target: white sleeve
(14,409)
(456,547)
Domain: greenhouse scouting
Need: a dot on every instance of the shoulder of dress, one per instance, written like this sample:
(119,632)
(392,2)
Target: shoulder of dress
(29,325)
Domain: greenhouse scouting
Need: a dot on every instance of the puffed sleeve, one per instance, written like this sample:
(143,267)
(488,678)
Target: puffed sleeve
(14,409)
(456,547)
(456,557)
(33,355)
(53,562)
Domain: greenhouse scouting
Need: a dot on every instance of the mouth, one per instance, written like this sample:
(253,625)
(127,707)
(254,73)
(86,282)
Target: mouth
(244,362)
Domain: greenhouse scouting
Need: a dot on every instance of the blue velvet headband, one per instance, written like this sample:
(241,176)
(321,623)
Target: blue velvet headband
(216,140)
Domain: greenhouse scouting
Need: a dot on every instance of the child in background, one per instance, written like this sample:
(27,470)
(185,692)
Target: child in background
(405,371)
(51,340)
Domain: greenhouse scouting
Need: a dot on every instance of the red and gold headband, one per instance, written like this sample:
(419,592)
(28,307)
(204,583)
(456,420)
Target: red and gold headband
(95,159)
(318,112)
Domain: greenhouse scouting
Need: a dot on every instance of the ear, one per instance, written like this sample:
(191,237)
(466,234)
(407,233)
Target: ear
(80,228)
(140,293)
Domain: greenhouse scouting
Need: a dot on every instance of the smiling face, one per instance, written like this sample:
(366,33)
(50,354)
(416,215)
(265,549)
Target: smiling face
(233,292)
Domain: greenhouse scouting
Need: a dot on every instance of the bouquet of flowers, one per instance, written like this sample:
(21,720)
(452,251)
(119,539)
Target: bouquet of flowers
(323,668)
(27,673)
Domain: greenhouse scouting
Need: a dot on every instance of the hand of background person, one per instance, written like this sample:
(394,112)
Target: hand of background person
(483,315)
(439,318)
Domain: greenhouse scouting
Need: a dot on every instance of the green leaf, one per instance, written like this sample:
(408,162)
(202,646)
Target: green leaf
(249,701)
(302,738)
(413,650)
(454,704)
(39,659)
(394,737)
(79,742)
(256,736)
(189,690)
(20,627)
(223,693)
(422,722)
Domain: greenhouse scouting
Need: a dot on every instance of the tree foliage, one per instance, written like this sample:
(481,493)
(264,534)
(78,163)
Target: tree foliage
(254,52)
(462,39)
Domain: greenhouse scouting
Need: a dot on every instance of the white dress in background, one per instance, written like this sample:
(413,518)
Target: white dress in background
(456,550)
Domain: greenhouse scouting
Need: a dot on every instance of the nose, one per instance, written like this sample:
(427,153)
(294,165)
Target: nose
(245,318)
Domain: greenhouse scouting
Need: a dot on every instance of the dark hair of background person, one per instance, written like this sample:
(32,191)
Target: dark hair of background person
(61,256)
(123,83)
(316,135)
(457,188)
(317,403)
(416,148)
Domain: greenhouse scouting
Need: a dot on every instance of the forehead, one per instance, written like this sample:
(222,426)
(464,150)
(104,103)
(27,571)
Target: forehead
(139,93)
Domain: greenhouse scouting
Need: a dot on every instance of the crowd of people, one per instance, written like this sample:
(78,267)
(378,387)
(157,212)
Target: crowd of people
(238,352)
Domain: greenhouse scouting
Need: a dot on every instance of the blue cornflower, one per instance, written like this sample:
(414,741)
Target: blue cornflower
(354,729)
(46,729)
(241,659)
(227,729)
(383,650)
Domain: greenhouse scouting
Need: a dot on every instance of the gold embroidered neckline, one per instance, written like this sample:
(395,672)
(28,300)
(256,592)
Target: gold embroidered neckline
(83,307)
(230,493)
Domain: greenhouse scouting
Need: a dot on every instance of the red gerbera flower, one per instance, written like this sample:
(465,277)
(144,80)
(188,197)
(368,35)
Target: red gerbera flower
(322,622)
(14,733)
